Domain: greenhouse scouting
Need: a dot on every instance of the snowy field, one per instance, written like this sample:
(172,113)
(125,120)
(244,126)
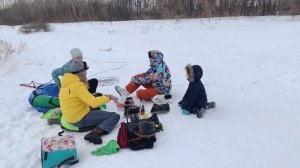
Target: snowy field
(251,70)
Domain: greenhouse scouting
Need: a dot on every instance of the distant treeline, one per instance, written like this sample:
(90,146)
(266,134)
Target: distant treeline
(32,11)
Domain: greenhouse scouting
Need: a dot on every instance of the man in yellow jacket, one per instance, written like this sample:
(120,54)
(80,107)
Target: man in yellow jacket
(76,103)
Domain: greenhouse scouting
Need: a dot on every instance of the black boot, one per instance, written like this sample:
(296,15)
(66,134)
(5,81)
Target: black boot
(199,112)
(210,105)
(95,136)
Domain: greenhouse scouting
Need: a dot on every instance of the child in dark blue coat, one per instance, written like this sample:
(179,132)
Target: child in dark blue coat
(195,97)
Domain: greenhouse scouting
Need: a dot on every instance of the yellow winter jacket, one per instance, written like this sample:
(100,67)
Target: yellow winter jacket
(75,99)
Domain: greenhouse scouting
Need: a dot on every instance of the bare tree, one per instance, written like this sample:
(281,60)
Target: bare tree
(30,11)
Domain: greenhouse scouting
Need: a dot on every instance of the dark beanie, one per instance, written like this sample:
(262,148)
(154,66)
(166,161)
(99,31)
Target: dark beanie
(77,67)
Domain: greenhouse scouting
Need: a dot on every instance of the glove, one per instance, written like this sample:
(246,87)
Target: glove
(185,112)
(180,103)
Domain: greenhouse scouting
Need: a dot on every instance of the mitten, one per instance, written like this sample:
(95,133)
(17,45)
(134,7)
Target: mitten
(185,112)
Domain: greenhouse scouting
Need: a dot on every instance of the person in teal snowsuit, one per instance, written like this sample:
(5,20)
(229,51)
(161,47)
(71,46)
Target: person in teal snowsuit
(76,56)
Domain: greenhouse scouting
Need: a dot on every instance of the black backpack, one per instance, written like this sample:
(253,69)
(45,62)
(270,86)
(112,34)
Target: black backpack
(141,134)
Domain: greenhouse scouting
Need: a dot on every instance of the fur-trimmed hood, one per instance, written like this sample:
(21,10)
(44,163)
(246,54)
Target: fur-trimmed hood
(194,73)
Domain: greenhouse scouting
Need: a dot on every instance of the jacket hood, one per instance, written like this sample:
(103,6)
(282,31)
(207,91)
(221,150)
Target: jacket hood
(157,57)
(194,73)
(69,78)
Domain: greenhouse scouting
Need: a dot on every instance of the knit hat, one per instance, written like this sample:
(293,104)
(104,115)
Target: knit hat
(77,67)
(75,52)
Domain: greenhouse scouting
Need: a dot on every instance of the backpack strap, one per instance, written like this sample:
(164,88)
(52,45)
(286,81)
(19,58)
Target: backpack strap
(61,132)
(34,96)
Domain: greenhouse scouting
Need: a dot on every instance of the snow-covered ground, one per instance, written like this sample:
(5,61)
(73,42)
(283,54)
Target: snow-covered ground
(251,70)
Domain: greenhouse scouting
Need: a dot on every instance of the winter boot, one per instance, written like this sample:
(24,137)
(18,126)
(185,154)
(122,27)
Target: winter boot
(122,92)
(199,112)
(95,136)
(210,105)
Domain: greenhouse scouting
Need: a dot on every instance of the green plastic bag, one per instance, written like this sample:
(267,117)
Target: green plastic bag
(111,147)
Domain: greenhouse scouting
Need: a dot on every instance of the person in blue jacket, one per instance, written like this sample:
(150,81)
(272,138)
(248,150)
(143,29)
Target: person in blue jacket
(195,96)
(76,56)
